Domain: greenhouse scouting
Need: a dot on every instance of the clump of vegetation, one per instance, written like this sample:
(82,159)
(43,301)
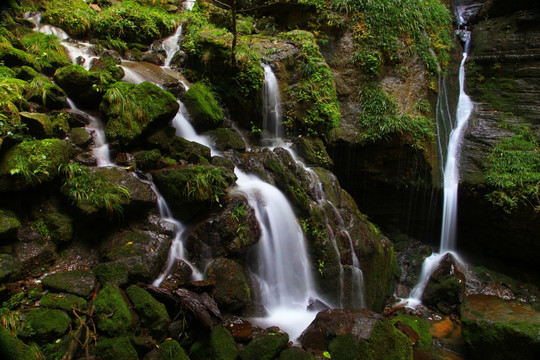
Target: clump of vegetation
(73,16)
(380,118)
(387,30)
(85,189)
(513,171)
(48,51)
(206,183)
(315,92)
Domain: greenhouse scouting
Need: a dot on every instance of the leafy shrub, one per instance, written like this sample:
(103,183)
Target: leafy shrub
(73,16)
(47,49)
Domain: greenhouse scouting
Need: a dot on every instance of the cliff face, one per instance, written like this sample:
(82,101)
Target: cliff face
(503,73)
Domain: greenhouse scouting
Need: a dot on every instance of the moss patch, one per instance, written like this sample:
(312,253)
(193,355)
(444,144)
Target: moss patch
(203,107)
(112,312)
(48,324)
(78,282)
(153,314)
(116,348)
(419,325)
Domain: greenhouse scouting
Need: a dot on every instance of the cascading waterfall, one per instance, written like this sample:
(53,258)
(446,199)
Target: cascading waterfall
(451,178)
(272,126)
(171,45)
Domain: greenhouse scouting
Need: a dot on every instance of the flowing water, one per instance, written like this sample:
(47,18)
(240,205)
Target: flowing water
(272,124)
(171,45)
(451,177)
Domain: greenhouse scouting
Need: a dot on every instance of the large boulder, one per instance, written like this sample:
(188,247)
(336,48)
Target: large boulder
(203,107)
(112,311)
(39,125)
(500,329)
(77,282)
(48,324)
(152,313)
(83,86)
(232,289)
(445,289)
(265,346)
(132,110)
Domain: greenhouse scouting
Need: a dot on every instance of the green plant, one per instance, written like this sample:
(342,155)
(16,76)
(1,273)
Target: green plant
(206,183)
(86,188)
(74,16)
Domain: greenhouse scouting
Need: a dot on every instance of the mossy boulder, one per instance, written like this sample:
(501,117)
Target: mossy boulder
(116,348)
(46,94)
(232,289)
(500,329)
(312,151)
(227,139)
(112,272)
(31,163)
(47,324)
(147,159)
(59,226)
(77,282)
(13,57)
(446,286)
(39,125)
(63,301)
(222,344)
(80,137)
(167,350)
(192,191)
(152,313)
(112,311)
(343,347)
(24,72)
(10,268)
(9,224)
(179,148)
(85,87)
(295,353)
(203,107)
(12,348)
(419,325)
(265,346)
(133,110)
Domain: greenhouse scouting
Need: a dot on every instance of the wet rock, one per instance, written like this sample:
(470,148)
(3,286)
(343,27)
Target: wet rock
(179,275)
(500,329)
(295,353)
(38,124)
(317,305)
(81,85)
(416,329)
(232,291)
(193,302)
(112,311)
(9,224)
(312,151)
(203,107)
(446,286)
(152,313)
(63,302)
(47,324)
(80,137)
(10,268)
(76,118)
(226,139)
(265,346)
(240,329)
(77,282)
(34,249)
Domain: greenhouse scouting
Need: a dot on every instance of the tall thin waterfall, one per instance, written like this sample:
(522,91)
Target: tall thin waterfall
(272,125)
(451,178)
(171,45)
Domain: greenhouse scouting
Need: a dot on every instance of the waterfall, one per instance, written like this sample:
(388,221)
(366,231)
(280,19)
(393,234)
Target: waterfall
(272,124)
(171,45)
(451,176)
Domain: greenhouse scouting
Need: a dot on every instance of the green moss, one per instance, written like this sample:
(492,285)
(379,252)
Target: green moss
(10,268)
(386,342)
(59,226)
(11,348)
(171,350)
(225,139)
(48,51)
(295,353)
(265,346)
(73,16)
(63,302)
(419,325)
(33,162)
(116,348)
(131,110)
(152,313)
(147,160)
(116,273)
(80,137)
(47,324)
(6,72)
(13,57)
(343,347)
(223,345)
(76,282)
(9,223)
(112,312)
(203,107)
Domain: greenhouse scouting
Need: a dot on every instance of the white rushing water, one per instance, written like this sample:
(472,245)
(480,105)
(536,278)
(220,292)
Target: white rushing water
(451,182)
(171,45)
(272,124)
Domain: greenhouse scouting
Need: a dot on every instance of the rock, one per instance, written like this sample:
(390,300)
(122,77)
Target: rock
(416,329)
(12,348)
(178,147)
(192,191)
(131,111)
(499,329)
(9,224)
(226,139)
(48,324)
(112,311)
(152,313)
(167,350)
(232,290)
(34,248)
(48,95)
(32,163)
(112,272)
(179,275)
(80,137)
(446,286)
(38,124)
(12,57)
(222,345)
(203,107)
(295,353)
(195,304)
(77,282)
(312,151)
(240,329)
(116,348)
(265,346)
(76,118)
(10,268)
(63,302)
(144,252)
(84,87)
(59,226)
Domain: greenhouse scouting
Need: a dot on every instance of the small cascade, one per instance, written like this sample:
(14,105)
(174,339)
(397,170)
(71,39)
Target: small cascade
(451,175)
(171,45)
(280,262)
(272,124)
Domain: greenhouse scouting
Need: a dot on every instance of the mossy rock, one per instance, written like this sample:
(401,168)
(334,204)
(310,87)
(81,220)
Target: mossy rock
(9,224)
(386,342)
(168,350)
(152,313)
(203,107)
(25,73)
(222,344)
(115,349)
(80,137)
(295,353)
(32,163)
(343,347)
(265,346)
(192,191)
(312,151)
(46,94)
(63,301)
(77,282)
(131,111)
(147,159)
(47,324)
(232,289)
(494,328)
(6,72)
(12,57)
(10,268)
(86,88)
(112,272)
(39,125)
(110,301)
(12,348)
(59,225)
(419,325)
(226,139)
